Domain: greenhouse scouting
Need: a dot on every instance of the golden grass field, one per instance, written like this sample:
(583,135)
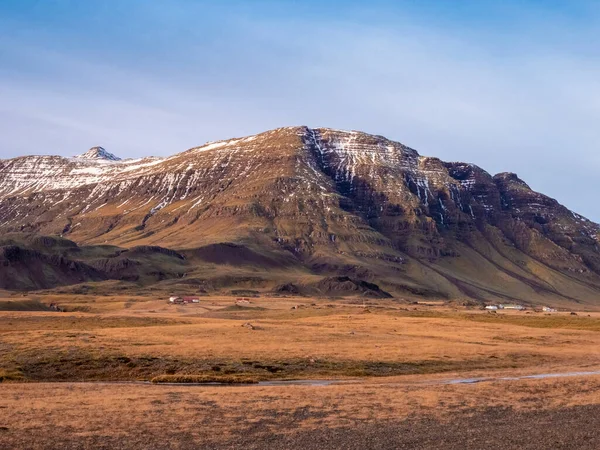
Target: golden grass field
(98,415)
(390,357)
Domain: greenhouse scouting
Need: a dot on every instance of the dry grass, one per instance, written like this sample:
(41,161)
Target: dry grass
(319,339)
(145,339)
(205,378)
(553,321)
(391,350)
(163,413)
(10,375)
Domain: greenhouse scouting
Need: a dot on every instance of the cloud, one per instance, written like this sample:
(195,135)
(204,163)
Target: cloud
(524,101)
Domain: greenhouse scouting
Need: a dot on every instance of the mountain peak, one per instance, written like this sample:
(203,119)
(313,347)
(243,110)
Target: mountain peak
(98,153)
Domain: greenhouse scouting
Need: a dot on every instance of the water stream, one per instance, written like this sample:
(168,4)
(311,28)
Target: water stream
(430,382)
(540,376)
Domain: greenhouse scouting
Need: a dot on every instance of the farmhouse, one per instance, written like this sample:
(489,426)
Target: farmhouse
(183,300)
(507,306)
(512,306)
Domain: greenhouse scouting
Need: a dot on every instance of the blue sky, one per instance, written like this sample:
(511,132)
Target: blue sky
(508,85)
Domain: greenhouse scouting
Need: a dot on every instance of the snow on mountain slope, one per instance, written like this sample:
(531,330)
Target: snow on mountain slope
(98,153)
(29,174)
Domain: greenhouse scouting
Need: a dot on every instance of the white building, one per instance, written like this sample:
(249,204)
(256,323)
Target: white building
(511,306)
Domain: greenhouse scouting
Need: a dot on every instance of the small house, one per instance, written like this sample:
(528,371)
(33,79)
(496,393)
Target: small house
(183,300)
(513,306)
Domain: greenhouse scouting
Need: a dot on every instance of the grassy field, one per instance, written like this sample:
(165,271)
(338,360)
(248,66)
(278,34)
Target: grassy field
(146,339)
(391,358)
(397,412)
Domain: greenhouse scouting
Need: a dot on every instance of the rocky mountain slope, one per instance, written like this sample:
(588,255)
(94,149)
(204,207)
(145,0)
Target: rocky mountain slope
(329,203)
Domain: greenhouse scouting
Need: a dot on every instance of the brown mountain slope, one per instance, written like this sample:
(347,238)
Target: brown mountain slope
(323,203)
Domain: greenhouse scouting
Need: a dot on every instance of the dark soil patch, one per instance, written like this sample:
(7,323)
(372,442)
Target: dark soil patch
(342,286)
(23,305)
(84,366)
(239,255)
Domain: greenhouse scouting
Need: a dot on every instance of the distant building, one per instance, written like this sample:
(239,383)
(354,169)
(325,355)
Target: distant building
(183,300)
(548,309)
(492,307)
(512,306)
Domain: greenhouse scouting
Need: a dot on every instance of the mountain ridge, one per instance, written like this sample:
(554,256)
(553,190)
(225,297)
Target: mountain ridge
(334,200)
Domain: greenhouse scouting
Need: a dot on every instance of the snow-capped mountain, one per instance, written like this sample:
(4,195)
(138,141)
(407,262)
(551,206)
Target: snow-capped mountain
(322,195)
(98,153)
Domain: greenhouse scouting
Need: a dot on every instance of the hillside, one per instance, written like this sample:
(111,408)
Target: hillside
(300,206)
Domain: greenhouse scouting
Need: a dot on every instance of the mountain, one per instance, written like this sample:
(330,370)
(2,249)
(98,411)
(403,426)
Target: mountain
(98,153)
(297,205)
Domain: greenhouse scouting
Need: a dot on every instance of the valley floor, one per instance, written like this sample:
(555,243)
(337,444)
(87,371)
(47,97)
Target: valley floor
(399,413)
(82,379)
